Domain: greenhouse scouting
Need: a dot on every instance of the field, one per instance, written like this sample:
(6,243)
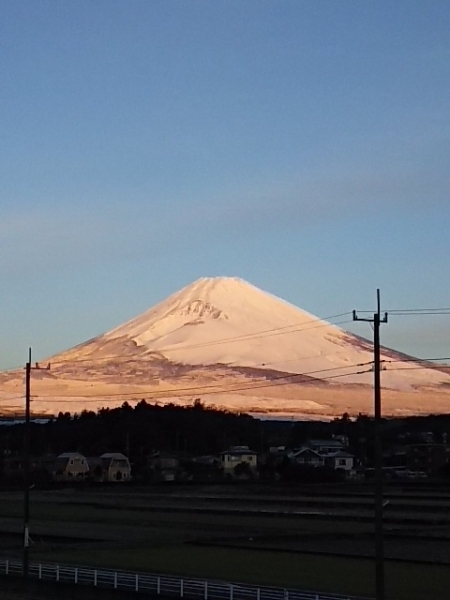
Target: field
(315,538)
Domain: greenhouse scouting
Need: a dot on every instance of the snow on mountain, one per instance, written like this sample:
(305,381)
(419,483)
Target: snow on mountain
(227,321)
(238,348)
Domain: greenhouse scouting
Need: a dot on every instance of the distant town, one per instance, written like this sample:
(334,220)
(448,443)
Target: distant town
(152,444)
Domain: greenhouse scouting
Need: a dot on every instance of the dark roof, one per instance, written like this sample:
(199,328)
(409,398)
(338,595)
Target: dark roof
(302,450)
(239,452)
(339,454)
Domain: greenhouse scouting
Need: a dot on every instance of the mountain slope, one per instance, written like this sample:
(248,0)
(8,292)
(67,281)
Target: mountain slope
(227,321)
(233,345)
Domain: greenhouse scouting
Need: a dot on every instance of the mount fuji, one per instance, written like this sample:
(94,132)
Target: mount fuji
(234,346)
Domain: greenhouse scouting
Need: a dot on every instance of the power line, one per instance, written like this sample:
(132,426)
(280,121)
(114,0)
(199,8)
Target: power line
(419,314)
(261,366)
(226,388)
(174,395)
(413,368)
(276,378)
(201,389)
(412,359)
(413,311)
(264,333)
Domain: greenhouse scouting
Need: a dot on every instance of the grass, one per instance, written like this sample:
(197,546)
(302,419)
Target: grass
(327,574)
(137,538)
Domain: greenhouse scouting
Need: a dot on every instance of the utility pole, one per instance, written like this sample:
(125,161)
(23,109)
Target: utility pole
(26,466)
(378,459)
(26,470)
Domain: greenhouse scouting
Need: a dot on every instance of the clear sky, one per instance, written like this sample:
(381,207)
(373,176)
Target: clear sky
(301,145)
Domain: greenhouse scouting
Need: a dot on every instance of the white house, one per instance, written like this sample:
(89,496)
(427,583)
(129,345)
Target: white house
(116,467)
(70,466)
(236,455)
(340,460)
(306,456)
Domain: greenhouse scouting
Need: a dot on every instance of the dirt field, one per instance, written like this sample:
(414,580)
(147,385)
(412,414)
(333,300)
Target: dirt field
(310,539)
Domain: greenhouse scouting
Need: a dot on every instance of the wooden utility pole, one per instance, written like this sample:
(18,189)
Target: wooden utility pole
(378,458)
(26,469)
(26,466)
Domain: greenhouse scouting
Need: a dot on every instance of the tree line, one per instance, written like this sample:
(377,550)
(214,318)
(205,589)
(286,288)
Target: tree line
(196,430)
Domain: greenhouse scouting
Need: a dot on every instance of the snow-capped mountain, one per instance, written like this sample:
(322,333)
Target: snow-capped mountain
(230,343)
(227,321)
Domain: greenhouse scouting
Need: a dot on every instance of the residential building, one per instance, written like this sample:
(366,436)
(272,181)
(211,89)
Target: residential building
(164,465)
(115,466)
(70,466)
(307,457)
(340,461)
(239,455)
(325,446)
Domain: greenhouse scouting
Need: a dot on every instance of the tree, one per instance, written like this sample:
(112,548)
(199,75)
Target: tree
(243,471)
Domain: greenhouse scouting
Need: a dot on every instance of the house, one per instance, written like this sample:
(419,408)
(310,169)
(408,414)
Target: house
(326,446)
(339,460)
(307,457)
(164,466)
(202,468)
(234,457)
(325,453)
(70,466)
(115,467)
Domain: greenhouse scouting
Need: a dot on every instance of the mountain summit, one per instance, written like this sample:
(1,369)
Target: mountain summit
(229,322)
(234,345)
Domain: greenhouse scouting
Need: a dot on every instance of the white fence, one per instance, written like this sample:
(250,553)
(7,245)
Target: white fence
(163,585)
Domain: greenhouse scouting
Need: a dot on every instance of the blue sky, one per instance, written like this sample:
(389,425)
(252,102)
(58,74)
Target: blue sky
(303,146)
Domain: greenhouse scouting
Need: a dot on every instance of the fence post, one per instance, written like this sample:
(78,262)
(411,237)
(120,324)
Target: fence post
(40,571)
(231,591)
(75,575)
(258,593)
(286,595)
(57,572)
(181,588)
(115,580)
(206,591)
(95,577)
(6,567)
(158,585)
(136,587)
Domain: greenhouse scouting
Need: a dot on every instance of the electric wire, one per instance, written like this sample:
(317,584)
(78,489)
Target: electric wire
(412,311)
(250,336)
(218,385)
(199,391)
(224,388)
(323,322)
